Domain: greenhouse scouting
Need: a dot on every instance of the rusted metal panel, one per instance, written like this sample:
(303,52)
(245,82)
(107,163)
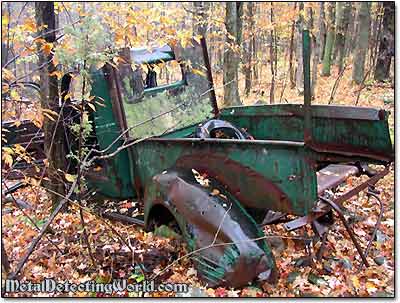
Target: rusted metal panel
(333,175)
(217,226)
(317,110)
(340,130)
(274,176)
(115,178)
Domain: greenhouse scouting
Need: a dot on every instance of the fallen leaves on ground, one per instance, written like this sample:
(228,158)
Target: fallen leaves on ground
(338,273)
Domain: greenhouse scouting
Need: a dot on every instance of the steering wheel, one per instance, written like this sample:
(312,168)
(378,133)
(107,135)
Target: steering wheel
(221,129)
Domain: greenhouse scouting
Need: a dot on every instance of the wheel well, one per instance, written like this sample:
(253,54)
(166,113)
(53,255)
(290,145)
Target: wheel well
(160,215)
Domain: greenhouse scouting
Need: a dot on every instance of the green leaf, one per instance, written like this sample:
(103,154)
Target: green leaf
(314,279)
(379,260)
(166,232)
(292,276)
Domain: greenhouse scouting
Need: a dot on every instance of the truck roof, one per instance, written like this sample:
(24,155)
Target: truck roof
(153,55)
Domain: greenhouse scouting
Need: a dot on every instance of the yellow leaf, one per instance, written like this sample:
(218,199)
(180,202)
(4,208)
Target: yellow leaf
(48,116)
(215,192)
(370,287)
(50,112)
(69,178)
(8,159)
(37,122)
(56,73)
(356,282)
(198,72)
(8,150)
(197,38)
(184,43)
(7,74)
(67,96)
(14,95)
(5,88)
(4,20)
(47,48)
(91,105)
(99,65)
(157,69)
(30,25)
(116,59)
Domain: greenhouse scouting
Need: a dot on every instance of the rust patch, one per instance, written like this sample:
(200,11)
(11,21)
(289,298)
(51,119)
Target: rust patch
(211,216)
(247,185)
(349,150)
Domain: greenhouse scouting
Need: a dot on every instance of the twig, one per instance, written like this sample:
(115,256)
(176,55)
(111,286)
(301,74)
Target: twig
(85,235)
(220,225)
(47,224)
(30,73)
(378,223)
(51,146)
(68,14)
(336,84)
(31,220)
(221,244)
(93,213)
(362,85)
(42,232)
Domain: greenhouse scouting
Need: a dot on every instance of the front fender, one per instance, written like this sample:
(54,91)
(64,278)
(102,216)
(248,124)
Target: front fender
(216,226)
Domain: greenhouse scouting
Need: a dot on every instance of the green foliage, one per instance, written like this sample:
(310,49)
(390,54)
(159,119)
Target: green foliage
(87,127)
(166,232)
(85,43)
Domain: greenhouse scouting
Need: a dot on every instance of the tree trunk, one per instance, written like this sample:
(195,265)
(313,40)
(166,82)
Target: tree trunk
(239,23)
(54,140)
(374,33)
(291,51)
(231,54)
(200,23)
(386,44)
(350,31)
(322,31)
(254,47)
(364,20)
(355,33)
(272,59)
(248,49)
(343,10)
(299,49)
(314,51)
(330,37)
(378,35)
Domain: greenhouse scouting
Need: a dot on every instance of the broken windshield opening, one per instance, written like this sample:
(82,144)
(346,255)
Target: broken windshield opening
(155,105)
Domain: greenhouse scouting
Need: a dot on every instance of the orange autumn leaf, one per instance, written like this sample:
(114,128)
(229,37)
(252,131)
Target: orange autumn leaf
(47,47)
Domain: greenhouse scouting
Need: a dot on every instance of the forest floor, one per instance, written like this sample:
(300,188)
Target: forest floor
(338,274)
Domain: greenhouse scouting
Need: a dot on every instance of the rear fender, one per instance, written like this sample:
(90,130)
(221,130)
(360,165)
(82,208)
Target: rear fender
(209,217)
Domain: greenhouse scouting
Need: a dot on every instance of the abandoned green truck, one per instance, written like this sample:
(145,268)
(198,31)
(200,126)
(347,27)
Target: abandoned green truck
(221,174)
